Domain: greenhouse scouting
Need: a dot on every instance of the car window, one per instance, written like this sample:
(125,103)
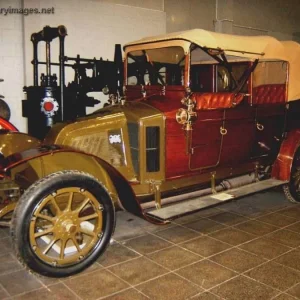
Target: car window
(162,66)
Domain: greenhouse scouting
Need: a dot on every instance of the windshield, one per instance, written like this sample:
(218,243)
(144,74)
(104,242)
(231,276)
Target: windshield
(162,66)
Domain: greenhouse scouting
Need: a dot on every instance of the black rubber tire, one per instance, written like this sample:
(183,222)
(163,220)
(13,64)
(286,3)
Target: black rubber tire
(33,196)
(4,110)
(289,189)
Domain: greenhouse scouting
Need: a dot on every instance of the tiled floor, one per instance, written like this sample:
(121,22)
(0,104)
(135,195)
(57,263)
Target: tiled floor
(246,249)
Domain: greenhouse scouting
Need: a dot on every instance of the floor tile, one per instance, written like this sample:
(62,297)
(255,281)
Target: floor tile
(284,297)
(294,227)
(237,260)
(174,257)
(265,247)
(294,291)
(197,215)
(116,253)
(290,259)
(205,296)
(232,236)
(205,246)
(204,226)
(275,275)
(94,267)
(6,246)
(94,285)
(228,218)
(169,286)
(130,294)
(293,212)
(147,244)
(138,270)
(242,288)
(206,273)
(57,291)
(177,234)
(277,219)
(19,282)
(129,226)
(285,237)
(256,227)
(3,293)
(8,264)
(4,232)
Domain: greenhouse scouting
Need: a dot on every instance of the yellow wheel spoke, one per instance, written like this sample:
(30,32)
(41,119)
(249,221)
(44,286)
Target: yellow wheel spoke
(70,201)
(87,232)
(49,246)
(89,217)
(50,219)
(62,248)
(81,207)
(45,232)
(58,210)
(76,244)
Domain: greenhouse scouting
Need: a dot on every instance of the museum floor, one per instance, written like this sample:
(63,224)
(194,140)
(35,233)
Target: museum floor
(246,249)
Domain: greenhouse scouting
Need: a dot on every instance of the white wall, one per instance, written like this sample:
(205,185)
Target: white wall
(93,29)
(11,61)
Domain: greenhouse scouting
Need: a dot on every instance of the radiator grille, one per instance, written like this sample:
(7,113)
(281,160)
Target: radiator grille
(152,148)
(133,131)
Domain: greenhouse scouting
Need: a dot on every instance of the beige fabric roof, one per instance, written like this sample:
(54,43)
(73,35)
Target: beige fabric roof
(262,47)
(292,50)
(250,47)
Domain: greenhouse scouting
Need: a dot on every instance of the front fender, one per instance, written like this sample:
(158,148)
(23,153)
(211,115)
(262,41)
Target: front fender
(282,167)
(29,166)
(14,142)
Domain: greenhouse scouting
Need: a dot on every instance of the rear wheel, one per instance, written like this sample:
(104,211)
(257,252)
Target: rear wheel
(62,223)
(292,189)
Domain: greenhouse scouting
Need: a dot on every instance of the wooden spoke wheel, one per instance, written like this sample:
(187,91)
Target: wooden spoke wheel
(292,190)
(62,224)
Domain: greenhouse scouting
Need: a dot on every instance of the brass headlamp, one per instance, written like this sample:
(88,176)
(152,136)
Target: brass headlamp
(187,116)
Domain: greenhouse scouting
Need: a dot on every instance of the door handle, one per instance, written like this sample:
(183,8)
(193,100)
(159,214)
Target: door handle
(223,131)
(260,127)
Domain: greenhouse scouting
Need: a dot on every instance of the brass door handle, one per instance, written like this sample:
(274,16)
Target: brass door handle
(260,127)
(223,130)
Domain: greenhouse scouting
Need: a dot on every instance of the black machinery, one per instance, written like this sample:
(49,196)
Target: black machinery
(52,101)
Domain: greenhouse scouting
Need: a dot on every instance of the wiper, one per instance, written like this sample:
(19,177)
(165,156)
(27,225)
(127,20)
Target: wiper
(246,76)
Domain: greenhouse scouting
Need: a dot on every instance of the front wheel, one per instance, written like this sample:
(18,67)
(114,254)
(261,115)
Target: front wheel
(292,189)
(62,223)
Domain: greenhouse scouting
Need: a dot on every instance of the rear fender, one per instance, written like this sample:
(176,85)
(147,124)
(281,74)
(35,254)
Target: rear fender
(282,167)
(25,170)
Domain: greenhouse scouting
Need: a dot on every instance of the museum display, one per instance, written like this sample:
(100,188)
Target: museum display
(204,118)
(53,100)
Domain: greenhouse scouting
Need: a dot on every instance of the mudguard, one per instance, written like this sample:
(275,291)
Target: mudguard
(28,166)
(282,167)
(14,142)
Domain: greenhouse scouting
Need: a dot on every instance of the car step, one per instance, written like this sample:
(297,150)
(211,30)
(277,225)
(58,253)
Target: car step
(176,210)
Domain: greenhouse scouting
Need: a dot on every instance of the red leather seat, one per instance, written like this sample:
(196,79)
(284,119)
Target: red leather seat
(208,101)
(269,93)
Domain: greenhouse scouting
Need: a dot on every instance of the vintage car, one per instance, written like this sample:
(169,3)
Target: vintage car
(205,117)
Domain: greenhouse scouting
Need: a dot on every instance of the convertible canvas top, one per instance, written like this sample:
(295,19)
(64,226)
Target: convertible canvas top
(264,48)
(261,47)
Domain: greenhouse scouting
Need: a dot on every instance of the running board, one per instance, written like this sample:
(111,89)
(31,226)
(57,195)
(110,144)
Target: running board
(174,211)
